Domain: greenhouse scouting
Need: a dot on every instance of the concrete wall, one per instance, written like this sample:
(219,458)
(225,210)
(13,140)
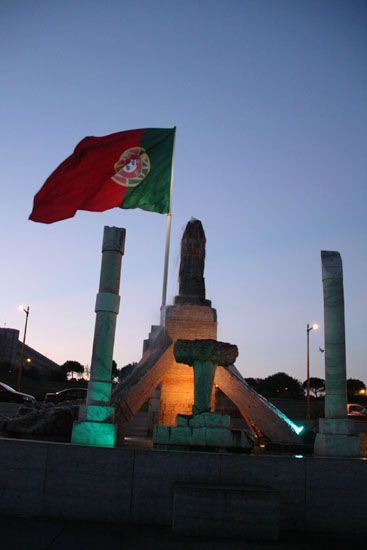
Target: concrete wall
(320,495)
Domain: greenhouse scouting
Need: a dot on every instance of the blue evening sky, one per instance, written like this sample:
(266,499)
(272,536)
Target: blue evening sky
(269,100)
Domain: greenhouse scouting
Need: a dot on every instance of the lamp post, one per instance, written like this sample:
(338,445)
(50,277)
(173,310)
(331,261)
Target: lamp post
(26,311)
(314,326)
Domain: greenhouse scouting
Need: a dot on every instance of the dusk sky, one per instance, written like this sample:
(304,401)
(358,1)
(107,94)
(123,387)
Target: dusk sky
(269,100)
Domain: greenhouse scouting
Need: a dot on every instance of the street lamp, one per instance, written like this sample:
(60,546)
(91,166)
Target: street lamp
(26,311)
(314,326)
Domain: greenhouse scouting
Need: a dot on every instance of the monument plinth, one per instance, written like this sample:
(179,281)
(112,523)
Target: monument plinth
(203,429)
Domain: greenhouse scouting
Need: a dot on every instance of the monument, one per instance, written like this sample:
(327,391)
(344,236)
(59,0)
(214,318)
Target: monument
(191,317)
(191,275)
(336,435)
(203,429)
(96,419)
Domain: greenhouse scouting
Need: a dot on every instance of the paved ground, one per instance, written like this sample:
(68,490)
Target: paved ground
(41,534)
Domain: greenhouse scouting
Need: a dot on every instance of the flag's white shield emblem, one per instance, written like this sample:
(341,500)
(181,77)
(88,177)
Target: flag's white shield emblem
(132,167)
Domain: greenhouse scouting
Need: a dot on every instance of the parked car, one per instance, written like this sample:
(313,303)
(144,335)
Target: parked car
(70,394)
(9,394)
(357,411)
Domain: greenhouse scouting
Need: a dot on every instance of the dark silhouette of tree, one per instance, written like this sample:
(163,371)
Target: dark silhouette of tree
(280,385)
(72,366)
(115,370)
(125,371)
(255,383)
(317,385)
(355,386)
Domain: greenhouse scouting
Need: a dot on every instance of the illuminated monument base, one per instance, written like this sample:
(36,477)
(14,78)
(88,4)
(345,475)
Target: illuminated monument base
(95,426)
(203,429)
(97,434)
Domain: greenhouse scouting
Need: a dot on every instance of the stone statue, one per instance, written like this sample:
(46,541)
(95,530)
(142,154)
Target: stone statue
(204,356)
(191,276)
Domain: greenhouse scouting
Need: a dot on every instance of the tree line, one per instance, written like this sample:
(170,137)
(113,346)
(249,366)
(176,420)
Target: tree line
(281,384)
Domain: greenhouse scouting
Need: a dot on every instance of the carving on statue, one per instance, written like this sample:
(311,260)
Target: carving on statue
(191,275)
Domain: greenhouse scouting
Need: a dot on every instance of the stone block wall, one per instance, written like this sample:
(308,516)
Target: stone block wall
(319,496)
(177,388)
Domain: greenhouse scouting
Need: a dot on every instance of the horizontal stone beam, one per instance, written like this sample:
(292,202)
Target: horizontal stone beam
(219,353)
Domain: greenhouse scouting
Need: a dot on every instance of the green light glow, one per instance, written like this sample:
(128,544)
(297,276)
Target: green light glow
(100,391)
(99,413)
(297,429)
(292,425)
(96,434)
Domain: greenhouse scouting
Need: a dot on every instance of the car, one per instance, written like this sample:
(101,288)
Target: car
(70,394)
(357,411)
(9,394)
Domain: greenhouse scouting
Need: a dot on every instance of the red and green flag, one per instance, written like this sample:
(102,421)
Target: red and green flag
(129,169)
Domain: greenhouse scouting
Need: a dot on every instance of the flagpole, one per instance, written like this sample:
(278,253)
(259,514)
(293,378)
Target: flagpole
(168,233)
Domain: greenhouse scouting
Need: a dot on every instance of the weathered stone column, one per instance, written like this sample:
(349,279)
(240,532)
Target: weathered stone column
(204,356)
(334,331)
(336,435)
(95,426)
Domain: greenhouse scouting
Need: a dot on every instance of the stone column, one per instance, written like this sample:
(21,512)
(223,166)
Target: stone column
(334,331)
(95,426)
(336,435)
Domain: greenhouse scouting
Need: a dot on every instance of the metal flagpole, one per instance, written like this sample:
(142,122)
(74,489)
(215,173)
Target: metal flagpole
(168,231)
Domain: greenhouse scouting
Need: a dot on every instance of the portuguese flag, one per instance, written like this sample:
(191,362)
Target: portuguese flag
(129,169)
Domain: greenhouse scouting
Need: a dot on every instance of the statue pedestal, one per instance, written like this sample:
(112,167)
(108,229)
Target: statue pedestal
(205,431)
(95,426)
(337,438)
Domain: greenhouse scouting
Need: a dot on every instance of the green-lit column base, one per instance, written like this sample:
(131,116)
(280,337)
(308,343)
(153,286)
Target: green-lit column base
(100,391)
(99,413)
(96,434)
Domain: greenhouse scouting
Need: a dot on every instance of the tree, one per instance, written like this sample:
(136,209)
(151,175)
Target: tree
(115,370)
(280,385)
(72,366)
(255,383)
(125,371)
(317,385)
(355,386)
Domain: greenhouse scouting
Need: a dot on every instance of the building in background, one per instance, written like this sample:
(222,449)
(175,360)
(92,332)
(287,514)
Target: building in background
(10,352)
